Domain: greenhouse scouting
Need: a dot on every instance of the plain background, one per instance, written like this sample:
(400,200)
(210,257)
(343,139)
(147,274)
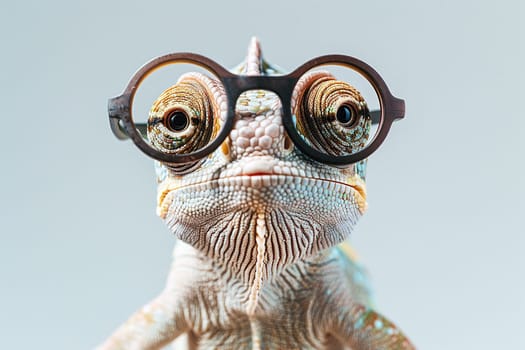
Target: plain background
(81,247)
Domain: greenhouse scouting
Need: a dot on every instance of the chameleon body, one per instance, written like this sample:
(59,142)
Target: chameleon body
(258,263)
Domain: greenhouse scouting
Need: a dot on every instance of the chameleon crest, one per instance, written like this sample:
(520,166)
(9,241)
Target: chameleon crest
(260,218)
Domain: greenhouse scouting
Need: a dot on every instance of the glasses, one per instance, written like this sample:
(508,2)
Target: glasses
(391,108)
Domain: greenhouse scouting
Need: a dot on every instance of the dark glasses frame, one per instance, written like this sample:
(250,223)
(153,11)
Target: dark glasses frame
(123,126)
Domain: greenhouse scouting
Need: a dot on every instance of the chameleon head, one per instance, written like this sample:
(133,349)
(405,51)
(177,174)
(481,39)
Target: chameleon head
(257,198)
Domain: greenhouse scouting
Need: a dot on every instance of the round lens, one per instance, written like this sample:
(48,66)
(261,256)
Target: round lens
(179,109)
(336,110)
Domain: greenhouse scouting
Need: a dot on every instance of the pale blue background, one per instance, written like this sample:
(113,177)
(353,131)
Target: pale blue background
(81,247)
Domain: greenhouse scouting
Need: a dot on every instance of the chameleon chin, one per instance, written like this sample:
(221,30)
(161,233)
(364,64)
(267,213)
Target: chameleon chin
(262,214)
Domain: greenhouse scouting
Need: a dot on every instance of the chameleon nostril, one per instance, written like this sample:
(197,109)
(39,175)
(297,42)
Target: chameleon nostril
(287,144)
(225,147)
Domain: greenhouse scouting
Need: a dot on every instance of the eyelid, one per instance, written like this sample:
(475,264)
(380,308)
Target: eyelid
(305,82)
(317,106)
(192,95)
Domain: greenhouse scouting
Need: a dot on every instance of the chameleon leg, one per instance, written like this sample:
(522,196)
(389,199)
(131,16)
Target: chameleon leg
(361,328)
(152,327)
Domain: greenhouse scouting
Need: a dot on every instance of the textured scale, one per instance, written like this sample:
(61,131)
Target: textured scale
(258,263)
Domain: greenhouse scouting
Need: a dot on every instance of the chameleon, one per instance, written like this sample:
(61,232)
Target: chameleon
(261,259)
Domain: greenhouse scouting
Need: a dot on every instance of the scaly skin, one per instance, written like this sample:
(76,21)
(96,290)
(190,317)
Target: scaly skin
(257,263)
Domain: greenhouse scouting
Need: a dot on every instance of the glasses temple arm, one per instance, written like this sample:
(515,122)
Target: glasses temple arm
(375,116)
(121,133)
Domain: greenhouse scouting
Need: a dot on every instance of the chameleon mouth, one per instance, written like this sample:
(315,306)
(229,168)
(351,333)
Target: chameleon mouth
(268,166)
(353,189)
(263,172)
(258,169)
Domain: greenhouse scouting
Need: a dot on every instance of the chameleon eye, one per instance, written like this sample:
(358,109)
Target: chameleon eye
(331,115)
(184,118)
(177,120)
(346,115)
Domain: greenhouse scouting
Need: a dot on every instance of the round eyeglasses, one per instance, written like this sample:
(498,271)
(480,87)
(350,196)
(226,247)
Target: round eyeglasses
(313,128)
